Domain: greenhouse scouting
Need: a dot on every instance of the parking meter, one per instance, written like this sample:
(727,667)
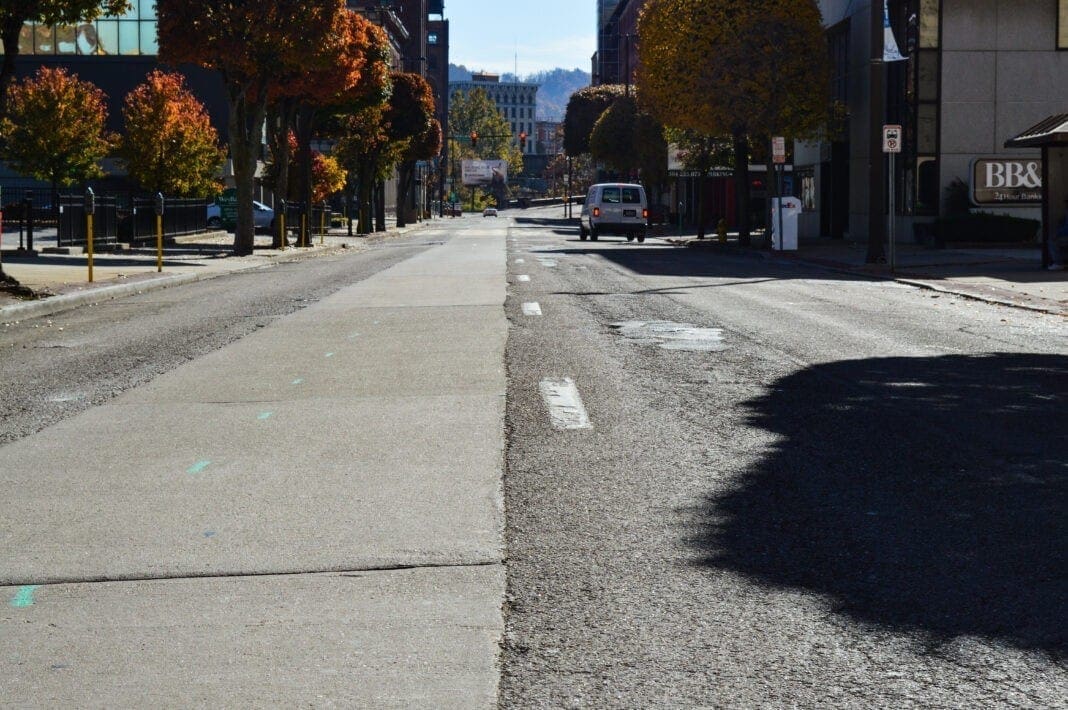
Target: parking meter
(90,201)
(158,204)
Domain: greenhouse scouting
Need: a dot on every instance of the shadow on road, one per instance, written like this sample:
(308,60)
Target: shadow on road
(922,494)
(673,261)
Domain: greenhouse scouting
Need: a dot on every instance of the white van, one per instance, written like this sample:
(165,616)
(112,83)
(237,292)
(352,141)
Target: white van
(614,208)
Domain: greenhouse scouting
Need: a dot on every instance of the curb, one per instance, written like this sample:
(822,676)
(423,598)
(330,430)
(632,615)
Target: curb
(66,302)
(839,267)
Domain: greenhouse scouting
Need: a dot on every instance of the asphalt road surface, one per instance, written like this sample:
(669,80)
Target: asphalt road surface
(729,482)
(738,483)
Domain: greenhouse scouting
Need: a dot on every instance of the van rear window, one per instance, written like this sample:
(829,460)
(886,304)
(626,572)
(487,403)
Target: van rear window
(610,195)
(631,196)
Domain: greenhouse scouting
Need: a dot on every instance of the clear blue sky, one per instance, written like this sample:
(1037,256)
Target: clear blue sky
(546,34)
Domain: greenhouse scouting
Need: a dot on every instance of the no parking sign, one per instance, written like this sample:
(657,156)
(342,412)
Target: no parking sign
(891,139)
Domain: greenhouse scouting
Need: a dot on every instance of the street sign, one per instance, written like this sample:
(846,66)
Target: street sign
(778,150)
(892,139)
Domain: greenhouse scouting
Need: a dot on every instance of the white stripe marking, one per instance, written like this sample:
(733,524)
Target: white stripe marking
(520,261)
(531,309)
(522,277)
(566,410)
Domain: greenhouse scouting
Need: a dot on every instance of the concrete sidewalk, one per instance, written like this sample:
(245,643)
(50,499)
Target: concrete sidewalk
(1004,275)
(263,528)
(60,281)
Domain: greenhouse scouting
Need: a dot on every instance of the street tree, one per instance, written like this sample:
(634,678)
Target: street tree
(583,109)
(170,145)
(366,149)
(345,70)
(629,139)
(14,14)
(250,43)
(747,69)
(55,128)
(474,113)
(410,115)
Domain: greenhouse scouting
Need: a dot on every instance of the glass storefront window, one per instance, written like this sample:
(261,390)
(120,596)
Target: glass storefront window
(131,33)
(129,38)
(107,32)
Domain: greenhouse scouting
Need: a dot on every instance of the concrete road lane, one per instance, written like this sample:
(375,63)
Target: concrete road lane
(361,433)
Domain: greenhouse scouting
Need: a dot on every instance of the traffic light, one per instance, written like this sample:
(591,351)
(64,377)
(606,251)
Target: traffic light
(522,140)
(474,139)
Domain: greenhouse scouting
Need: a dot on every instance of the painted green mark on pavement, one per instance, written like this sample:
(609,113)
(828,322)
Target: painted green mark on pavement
(297,381)
(330,354)
(198,467)
(24,597)
(265,416)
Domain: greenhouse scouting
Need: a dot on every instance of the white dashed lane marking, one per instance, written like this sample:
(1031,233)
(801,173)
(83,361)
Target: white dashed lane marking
(531,309)
(562,399)
(522,277)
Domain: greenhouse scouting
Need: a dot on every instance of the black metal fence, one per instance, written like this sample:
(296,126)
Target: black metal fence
(71,229)
(181,216)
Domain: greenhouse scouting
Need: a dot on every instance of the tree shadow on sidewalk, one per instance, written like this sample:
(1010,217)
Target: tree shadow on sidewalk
(923,494)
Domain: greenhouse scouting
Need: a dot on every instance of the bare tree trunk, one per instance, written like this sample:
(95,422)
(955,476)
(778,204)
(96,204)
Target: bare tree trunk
(278,125)
(741,186)
(405,175)
(305,129)
(9,34)
(380,206)
(246,129)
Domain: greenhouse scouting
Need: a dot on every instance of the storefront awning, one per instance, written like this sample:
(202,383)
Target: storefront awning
(1052,131)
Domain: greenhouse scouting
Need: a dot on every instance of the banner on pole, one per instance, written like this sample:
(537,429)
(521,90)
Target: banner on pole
(891,51)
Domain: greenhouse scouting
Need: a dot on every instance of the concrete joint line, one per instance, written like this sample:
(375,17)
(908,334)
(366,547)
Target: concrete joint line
(386,567)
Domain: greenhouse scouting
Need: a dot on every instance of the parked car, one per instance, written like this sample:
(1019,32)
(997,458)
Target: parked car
(614,208)
(262,215)
(489,212)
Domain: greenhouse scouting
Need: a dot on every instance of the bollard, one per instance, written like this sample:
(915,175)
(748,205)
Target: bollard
(282,224)
(159,232)
(304,229)
(90,210)
(322,226)
(27,208)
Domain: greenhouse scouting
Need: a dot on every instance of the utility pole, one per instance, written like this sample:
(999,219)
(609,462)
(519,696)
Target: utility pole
(876,175)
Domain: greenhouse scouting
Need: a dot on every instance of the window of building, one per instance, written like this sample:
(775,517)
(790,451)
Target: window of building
(1062,24)
(131,33)
(432,38)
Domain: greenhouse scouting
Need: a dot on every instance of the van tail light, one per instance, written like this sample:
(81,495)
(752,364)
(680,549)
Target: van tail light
(596,211)
(645,214)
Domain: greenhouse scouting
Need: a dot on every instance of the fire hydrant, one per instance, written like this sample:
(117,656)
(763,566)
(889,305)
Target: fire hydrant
(721,230)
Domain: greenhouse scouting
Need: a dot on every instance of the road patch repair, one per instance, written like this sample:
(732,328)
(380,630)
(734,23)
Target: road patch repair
(672,336)
(562,399)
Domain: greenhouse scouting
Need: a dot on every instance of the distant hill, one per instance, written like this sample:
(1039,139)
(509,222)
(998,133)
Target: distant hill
(555,87)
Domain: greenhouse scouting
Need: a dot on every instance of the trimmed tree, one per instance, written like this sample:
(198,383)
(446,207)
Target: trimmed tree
(630,140)
(583,109)
(412,124)
(16,13)
(365,149)
(747,69)
(170,145)
(251,44)
(55,128)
